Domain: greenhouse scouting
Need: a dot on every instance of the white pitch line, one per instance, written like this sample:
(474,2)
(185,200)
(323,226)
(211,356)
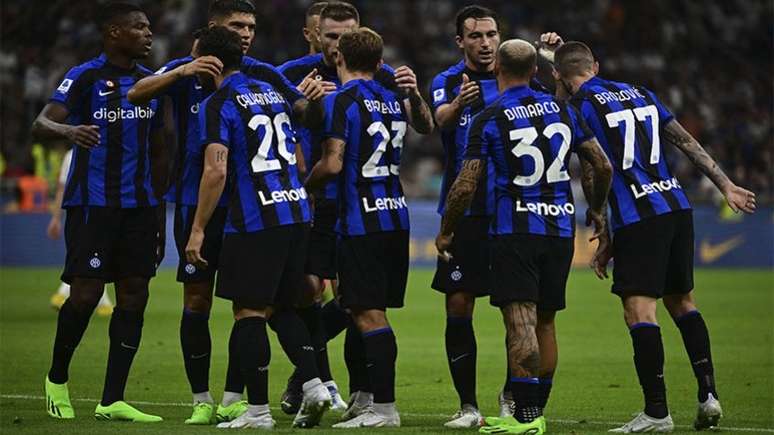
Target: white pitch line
(407,414)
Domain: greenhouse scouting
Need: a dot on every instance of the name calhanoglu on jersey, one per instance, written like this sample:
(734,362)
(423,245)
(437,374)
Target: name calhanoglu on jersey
(259,99)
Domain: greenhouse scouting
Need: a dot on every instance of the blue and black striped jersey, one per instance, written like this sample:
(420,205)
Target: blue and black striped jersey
(627,121)
(115,173)
(186,95)
(252,119)
(444,89)
(529,136)
(295,70)
(371,121)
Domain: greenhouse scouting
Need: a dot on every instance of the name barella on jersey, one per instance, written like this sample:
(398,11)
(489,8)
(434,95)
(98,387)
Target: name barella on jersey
(295,70)
(371,122)
(444,89)
(252,120)
(115,173)
(627,121)
(529,136)
(186,95)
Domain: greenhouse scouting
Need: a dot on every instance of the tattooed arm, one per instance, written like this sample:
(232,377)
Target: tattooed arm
(737,197)
(520,320)
(458,200)
(210,189)
(596,179)
(330,164)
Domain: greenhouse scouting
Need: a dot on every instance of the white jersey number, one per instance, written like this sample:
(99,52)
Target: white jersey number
(261,162)
(627,116)
(371,168)
(526,137)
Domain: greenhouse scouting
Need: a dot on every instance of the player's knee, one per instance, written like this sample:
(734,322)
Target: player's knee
(639,309)
(197,298)
(85,294)
(545,321)
(132,294)
(460,304)
(679,305)
(370,320)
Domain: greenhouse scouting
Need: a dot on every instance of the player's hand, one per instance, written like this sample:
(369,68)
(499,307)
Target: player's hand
(469,91)
(406,80)
(205,65)
(193,249)
(54,229)
(602,256)
(740,199)
(599,220)
(548,44)
(442,244)
(86,136)
(310,87)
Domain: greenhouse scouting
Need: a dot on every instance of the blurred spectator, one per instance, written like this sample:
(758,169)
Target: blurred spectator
(711,62)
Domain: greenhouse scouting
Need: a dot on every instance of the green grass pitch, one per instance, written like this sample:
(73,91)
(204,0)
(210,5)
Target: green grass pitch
(595,386)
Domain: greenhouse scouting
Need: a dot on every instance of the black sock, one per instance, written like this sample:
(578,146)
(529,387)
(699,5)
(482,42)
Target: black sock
(254,358)
(335,319)
(507,383)
(526,397)
(70,326)
(125,332)
(649,362)
(234,381)
(544,391)
(381,353)
(196,345)
(461,355)
(312,317)
(354,358)
(295,341)
(697,344)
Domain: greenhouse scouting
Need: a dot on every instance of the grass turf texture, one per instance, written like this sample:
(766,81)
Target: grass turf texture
(594,387)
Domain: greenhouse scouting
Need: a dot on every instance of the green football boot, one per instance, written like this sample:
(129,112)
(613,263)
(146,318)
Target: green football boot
(230,412)
(122,411)
(58,400)
(509,425)
(203,414)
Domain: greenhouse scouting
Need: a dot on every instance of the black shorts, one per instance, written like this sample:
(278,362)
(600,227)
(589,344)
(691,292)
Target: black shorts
(468,270)
(213,241)
(654,257)
(263,268)
(321,254)
(110,243)
(531,268)
(373,270)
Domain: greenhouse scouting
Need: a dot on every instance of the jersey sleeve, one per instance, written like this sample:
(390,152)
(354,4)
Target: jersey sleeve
(477,139)
(386,77)
(270,74)
(664,114)
(438,92)
(215,122)
(335,107)
(73,89)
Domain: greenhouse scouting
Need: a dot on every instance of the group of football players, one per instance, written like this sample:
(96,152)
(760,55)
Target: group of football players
(286,179)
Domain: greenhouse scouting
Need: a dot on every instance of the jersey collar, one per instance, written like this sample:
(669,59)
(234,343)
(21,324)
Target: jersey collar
(594,81)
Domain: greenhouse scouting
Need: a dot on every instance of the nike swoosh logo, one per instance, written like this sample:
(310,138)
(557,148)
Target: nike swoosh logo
(199,356)
(197,86)
(709,252)
(453,360)
(126,346)
(102,94)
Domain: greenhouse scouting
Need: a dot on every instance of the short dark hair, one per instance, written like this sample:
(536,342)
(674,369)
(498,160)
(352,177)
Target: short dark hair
(361,49)
(476,12)
(109,12)
(315,9)
(517,62)
(573,58)
(340,11)
(222,8)
(222,43)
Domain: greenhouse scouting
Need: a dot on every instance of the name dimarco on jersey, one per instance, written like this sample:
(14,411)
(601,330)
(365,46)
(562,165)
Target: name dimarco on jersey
(531,110)
(259,99)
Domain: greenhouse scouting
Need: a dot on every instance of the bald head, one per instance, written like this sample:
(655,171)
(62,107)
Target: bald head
(573,59)
(517,58)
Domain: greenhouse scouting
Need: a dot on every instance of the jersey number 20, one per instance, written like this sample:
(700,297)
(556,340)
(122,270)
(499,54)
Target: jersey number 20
(261,162)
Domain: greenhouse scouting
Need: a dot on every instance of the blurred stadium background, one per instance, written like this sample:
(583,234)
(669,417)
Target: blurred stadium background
(710,61)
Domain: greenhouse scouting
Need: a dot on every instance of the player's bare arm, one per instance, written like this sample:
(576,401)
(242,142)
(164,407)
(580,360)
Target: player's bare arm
(152,86)
(459,199)
(210,189)
(419,114)
(329,165)
(596,178)
(51,124)
(448,115)
(523,355)
(737,197)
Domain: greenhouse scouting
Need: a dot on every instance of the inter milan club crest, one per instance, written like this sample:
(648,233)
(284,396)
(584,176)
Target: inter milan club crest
(110,84)
(190,269)
(456,275)
(95,263)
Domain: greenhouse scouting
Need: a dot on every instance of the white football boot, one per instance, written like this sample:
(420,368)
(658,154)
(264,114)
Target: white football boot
(465,418)
(376,415)
(505,401)
(316,401)
(359,402)
(644,423)
(708,414)
(246,421)
(337,403)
